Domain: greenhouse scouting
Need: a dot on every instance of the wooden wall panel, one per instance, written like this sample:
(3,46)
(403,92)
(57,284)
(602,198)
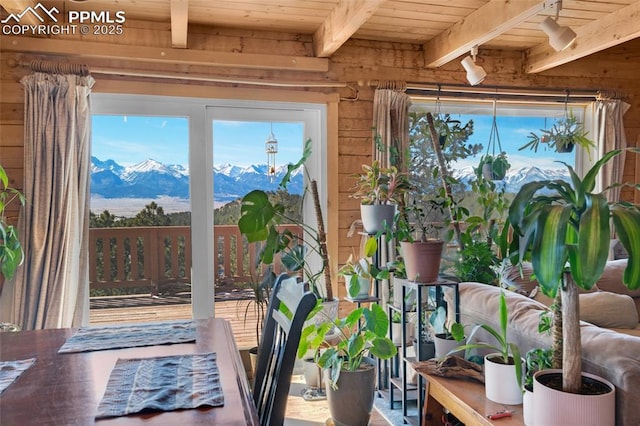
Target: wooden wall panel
(356,63)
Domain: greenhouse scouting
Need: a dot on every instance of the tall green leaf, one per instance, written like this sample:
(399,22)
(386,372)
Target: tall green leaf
(627,223)
(549,259)
(593,242)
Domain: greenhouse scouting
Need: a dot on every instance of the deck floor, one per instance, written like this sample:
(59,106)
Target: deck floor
(299,411)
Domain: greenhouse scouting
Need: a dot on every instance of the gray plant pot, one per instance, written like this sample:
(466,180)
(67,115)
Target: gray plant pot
(374,217)
(352,402)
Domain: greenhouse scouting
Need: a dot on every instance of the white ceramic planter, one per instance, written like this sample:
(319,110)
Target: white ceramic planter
(527,407)
(500,384)
(397,332)
(554,407)
(374,217)
(444,346)
(365,287)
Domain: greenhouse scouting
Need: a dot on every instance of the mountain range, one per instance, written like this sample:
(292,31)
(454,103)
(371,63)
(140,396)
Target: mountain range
(151,179)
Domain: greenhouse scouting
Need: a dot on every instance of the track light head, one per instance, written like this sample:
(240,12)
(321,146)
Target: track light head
(475,73)
(560,37)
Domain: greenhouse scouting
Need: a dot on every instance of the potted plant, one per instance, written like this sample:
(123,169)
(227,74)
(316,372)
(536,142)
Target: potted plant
(503,367)
(566,233)
(11,253)
(446,335)
(257,307)
(380,189)
(562,136)
(420,243)
(359,274)
(350,375)
(494,167)
(536,359)
(259,222)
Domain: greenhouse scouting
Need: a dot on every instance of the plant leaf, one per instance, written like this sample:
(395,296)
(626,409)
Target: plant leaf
(549,255)
(592,248)
(627,223)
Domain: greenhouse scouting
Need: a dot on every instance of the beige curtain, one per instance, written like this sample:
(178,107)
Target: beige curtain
(609,135)
(391,122)
(51,288)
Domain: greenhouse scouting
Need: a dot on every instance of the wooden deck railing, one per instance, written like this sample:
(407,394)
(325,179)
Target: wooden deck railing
(157,255)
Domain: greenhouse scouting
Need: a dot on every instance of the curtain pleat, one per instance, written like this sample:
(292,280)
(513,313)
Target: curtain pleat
(51,289)
(391,122)
(609,135)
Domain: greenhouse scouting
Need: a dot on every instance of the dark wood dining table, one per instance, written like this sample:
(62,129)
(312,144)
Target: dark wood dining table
(65,389)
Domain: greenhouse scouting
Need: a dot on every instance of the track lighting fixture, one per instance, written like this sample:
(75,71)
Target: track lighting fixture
(560,37)
(475,73)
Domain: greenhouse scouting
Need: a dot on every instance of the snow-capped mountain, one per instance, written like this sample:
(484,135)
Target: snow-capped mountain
(515,178)
(152,179)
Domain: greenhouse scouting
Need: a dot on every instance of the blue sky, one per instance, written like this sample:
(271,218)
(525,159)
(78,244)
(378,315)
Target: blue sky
(132,139)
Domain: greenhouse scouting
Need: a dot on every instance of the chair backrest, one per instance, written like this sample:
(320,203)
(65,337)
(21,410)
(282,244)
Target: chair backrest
(278,347)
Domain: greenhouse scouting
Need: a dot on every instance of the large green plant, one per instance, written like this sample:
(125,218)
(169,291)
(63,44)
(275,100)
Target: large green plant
(567,234)
(259,222)
(348,340)
(11,253)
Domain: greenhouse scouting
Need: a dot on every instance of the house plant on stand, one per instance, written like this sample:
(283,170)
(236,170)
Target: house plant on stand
(350,375)
(359,274)
(380,189)
(446,335)
(567,234)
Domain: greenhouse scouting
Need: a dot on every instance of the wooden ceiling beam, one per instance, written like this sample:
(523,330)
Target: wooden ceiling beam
(614,29)
(482,25)
(343,21)
(91,49)
(179,23)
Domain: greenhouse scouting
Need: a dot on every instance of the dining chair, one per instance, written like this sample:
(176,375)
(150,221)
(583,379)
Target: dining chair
(278,347)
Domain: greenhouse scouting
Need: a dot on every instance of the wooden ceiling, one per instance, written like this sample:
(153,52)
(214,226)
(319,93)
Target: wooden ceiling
(445,29)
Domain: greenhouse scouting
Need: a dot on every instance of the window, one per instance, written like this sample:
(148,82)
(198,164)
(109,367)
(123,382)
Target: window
(191,154)
(515,122)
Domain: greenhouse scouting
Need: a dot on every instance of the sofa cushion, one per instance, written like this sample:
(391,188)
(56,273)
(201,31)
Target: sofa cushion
(611,279)
(608,310)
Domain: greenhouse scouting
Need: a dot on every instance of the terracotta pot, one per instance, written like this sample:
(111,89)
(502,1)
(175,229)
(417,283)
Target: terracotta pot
(374,217)
(555,407)
(500,383)
(422,260)
(351,403)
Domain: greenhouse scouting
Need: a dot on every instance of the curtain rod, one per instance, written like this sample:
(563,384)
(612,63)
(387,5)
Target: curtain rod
(504,92)
(194,77)
(50,67)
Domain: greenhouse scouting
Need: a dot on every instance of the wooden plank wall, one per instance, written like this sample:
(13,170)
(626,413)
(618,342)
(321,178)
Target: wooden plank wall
(358,61)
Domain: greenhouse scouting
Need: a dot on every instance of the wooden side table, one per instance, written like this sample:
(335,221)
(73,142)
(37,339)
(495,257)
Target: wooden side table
(465,399)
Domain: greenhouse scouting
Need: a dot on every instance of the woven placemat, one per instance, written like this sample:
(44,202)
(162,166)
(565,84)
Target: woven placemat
(162,384)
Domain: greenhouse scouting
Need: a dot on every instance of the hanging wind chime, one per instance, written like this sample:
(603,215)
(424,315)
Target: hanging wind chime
(271,148)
